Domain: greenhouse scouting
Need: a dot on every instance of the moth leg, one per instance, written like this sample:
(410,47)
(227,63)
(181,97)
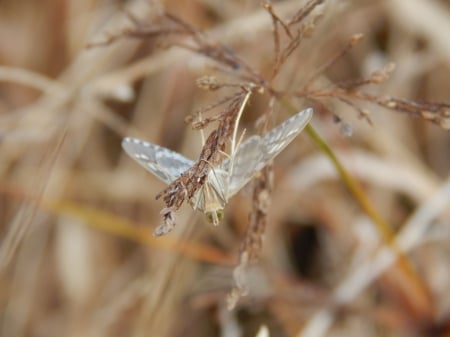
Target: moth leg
(225,188)
(228,156)
(211,165)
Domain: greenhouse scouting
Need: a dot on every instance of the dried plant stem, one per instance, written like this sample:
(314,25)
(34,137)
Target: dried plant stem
(383,227)
(410,236)
(319,71)
(32,80)
(24,219)
(226,33)
(113,224)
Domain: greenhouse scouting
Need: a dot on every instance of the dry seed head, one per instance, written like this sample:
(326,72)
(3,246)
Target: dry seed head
(308,29)
(427,114)
(188,119)
(391,104)
(208,83)
(380,76)
(355,39)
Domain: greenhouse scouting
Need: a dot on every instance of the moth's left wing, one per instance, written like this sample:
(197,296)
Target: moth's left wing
(167,165)
(256,152)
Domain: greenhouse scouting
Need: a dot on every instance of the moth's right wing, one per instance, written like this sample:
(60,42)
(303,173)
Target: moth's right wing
(167,165)
(256,152)
(248,160)
(282,135)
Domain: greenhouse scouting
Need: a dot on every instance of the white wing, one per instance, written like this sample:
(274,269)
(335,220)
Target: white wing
(256,152)
(167,165)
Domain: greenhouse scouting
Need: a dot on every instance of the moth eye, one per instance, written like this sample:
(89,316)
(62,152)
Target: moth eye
(220,214)
(209,217)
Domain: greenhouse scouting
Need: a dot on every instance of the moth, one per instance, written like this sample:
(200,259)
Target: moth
(231,175)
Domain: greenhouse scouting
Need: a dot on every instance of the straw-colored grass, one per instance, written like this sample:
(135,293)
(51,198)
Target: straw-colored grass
(345,234)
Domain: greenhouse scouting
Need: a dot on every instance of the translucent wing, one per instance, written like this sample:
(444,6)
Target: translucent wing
(167,165)
(246,163)
(256,152)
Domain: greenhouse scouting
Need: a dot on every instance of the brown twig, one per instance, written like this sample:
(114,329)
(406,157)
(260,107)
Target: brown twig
(189,182)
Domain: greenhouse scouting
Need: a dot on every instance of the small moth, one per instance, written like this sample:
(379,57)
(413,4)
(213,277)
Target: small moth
(227,178)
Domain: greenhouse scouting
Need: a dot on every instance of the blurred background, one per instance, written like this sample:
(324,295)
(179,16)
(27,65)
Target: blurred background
(77,255)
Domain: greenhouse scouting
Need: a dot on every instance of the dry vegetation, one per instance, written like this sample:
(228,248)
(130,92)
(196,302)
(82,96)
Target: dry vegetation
(346,234)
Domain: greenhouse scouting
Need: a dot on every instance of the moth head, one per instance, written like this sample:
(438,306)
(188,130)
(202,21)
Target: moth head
(215,217)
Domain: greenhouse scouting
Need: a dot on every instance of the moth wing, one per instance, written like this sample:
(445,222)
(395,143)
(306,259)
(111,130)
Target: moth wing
(282,135)
(167,165)
(246,163)
(256,152)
